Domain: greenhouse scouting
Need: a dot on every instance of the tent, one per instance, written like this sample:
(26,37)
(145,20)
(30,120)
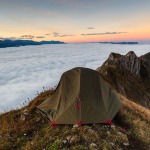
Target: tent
(81,97)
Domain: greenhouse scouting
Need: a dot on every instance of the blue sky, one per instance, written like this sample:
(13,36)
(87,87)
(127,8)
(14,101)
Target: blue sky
(73,19)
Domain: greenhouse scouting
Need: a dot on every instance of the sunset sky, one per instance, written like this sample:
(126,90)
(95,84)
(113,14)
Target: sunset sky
(75,20)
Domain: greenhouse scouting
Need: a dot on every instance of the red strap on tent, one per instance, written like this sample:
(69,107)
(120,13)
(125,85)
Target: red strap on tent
(108,122)
(79,123)
(53,123)
(78,104)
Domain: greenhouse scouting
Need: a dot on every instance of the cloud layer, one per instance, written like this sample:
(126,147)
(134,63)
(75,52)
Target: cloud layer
(90,28)
(40,37)
(103,33)
(56,34)
(27,37)
(25,70)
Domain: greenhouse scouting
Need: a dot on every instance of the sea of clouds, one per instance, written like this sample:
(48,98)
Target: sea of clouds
(26,70)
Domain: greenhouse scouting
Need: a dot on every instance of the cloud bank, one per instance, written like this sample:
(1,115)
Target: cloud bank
(25,70)
(27,37)
(103,33)
(90,28)
(40,37)
(56,34)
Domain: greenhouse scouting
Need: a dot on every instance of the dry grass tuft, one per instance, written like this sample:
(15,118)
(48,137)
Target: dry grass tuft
(142,111)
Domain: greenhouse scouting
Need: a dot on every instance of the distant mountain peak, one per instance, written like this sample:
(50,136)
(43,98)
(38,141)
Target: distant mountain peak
(17,43)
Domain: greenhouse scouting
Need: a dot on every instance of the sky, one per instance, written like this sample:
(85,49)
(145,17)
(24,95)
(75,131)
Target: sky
(74,21)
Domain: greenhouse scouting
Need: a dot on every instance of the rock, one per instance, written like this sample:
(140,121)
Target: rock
(25,134)
(0,136)
(75,126)
(129,74)
(91,131)
(73,139)
(22,118)
(113,126)
(25,112)
(130,61)
(126,144)
(68,138)
(112,144)
(93,145)
(108,132)
(114,57)
(119,133)
(64,141)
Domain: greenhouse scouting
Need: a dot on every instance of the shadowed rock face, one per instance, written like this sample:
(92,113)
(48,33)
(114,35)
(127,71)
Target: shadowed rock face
(146,59)
(129,75)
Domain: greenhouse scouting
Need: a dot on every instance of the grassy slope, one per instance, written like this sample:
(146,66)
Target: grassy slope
(28,129)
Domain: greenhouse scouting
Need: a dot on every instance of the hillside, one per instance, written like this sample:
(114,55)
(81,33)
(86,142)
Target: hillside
(129,75)
(27,129)
(119,43)
(17,43)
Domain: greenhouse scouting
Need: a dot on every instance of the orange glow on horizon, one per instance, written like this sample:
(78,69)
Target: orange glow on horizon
(127,37)
(78,38)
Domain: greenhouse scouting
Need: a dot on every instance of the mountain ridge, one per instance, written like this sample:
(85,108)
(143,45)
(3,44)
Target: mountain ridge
(129,75)
(17,43)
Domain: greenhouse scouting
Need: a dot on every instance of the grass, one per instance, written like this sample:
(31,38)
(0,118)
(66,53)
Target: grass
(27,129)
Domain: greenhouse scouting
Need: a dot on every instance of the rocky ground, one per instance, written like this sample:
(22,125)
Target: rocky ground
(28,129)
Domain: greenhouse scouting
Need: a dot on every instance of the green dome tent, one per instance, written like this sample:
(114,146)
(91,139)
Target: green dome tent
(82,97)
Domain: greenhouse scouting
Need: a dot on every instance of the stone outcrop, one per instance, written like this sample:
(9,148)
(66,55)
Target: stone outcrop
(129,75)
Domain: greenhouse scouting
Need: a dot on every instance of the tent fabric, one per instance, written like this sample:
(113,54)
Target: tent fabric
(81,96)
